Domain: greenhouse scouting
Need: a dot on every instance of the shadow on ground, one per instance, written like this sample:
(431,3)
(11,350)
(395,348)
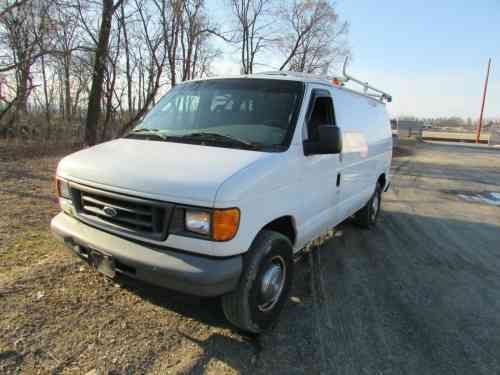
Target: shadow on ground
(206,310)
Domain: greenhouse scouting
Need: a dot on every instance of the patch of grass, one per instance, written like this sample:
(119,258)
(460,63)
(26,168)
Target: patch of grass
(28,248)
(10,151)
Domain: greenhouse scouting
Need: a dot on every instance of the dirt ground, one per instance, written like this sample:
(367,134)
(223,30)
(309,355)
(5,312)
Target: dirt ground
(419,294)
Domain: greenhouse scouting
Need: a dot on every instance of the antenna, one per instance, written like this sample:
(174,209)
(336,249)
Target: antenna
(366,87)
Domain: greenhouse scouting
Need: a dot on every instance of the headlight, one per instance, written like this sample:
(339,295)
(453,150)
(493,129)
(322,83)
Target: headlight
(198,221)
(218,224)
(63,189)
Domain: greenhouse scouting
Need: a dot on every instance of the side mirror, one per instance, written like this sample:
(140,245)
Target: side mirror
(329,142)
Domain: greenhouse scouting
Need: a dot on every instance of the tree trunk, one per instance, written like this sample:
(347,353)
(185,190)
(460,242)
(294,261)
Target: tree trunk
(127,63)
(46,97)
(94,106)
(22,89)
(67,87)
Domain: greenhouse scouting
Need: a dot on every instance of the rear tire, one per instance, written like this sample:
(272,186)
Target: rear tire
(367,216)
(264,284)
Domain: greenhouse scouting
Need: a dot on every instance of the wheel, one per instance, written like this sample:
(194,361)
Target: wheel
(264,284)
(367,216)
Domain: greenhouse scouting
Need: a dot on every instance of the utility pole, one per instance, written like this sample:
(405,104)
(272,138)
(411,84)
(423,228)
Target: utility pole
(480,125)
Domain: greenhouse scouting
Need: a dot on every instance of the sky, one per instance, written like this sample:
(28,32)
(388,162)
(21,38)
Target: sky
(430,55)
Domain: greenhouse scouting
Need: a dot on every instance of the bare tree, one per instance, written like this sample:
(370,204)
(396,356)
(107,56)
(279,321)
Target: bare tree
(23,44)
(177,36)
(314,37)
(106,62)
(123,21)
(171,25)
(250,15)
(101,55)
(46,93)
(157,56)
(65,35)
(111,74)
(196,33)
(81,74)
(190,36)
(6,104)
(10,6)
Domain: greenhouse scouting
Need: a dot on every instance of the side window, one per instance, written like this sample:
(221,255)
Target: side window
(321,113)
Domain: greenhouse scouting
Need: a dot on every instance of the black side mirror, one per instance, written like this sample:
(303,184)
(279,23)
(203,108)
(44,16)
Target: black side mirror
(329,141)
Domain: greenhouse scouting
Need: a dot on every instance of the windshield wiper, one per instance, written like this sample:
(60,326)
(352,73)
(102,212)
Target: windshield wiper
(145,132)
(202,136)
(216,137)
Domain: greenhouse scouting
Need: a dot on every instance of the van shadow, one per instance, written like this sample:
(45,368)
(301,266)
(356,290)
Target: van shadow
(239,356)
(235,354)
(204,309)
(235,351)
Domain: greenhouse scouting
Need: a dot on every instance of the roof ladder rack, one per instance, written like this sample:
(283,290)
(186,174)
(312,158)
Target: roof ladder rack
(368,90)
(366,87)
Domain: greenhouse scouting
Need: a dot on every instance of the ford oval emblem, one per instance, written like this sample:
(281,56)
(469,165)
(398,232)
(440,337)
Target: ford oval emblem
(110,211)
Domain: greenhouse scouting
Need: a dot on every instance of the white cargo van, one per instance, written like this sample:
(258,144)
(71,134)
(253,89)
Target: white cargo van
(224,183)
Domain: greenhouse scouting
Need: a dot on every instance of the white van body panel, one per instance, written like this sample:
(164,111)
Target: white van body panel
(184,173)
(264,186)
(367,147)
(304,188)
(317,182)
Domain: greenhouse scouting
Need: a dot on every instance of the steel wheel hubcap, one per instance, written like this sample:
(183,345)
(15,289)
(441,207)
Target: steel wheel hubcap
(272,283)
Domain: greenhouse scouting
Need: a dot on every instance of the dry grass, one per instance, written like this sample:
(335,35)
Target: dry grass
(15,150)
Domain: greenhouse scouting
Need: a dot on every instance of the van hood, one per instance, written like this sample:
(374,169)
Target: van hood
(175,172)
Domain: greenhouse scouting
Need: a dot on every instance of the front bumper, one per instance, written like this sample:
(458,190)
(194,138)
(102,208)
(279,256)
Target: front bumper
(183,272)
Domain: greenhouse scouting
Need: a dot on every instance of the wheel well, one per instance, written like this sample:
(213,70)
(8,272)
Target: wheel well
(284,225)
(381,180)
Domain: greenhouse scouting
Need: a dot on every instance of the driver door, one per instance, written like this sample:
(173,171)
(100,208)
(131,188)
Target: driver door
(318,173)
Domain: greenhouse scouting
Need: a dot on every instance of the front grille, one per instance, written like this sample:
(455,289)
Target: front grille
(122,213)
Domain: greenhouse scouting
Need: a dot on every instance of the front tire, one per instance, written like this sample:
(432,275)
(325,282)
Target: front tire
(367,216)
(264,284)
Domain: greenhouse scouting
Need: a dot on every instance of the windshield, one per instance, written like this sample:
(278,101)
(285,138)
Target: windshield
(240,113)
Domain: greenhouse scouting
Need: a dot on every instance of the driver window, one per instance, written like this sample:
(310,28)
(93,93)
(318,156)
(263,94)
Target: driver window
(322,114)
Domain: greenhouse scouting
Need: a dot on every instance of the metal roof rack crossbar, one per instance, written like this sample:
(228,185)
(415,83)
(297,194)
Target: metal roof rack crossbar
(368,90)
(366,87)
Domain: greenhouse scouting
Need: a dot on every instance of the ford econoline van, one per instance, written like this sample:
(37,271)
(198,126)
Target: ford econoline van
(224,183)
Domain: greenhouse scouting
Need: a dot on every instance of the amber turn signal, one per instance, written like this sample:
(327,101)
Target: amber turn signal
(225,223)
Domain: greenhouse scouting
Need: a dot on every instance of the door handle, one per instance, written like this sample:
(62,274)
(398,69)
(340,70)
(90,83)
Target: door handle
(338,179)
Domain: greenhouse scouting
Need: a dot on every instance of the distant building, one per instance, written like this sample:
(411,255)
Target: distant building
(408,128)
(495,135)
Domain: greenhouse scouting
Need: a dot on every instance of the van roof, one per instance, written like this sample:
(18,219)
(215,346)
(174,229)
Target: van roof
(292,76)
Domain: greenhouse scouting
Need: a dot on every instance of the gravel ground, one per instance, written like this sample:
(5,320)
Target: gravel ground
(419,294)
